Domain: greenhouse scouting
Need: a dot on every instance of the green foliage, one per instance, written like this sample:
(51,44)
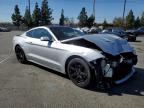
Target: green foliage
(43,16)
(130,19)
(137,22)
(36,16)
(16,17)
(46,13)
(27,18)
(62,19)
(83,18)
(69,21)
(90,21)
(142,19)
(105,24)
(118,22)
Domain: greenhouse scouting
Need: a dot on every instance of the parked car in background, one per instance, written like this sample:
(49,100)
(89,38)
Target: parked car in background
(98,58)
(2,29)
(131,31)
(78,31)
(117,32)
(140,31)
(94,30)
(121,33)
(136,32)
(85,30)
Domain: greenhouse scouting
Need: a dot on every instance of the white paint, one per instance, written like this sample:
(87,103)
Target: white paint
(5,59)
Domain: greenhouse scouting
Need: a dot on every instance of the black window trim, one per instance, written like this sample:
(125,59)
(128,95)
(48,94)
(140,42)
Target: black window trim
(36,29)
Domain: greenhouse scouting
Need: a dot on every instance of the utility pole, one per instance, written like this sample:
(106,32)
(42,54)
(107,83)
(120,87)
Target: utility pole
(124,12)
(29,5)
(94,9)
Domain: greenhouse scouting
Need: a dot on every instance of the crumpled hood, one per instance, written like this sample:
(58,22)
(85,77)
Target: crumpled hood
(109,43)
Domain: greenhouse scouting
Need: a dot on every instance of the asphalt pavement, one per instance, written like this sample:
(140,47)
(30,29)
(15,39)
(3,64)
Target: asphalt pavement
(32,86)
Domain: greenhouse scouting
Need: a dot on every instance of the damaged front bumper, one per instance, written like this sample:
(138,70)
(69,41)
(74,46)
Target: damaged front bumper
(113,73)
(131,73)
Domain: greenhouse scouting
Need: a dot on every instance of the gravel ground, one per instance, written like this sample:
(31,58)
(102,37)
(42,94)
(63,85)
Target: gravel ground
(32,86)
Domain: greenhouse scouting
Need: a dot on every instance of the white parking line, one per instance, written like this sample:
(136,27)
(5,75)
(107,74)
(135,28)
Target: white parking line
(5,59)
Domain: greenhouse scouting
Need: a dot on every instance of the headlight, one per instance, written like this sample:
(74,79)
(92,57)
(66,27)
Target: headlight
(106,69)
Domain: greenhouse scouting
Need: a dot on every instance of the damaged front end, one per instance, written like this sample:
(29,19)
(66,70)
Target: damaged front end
(114,69)
(117,66)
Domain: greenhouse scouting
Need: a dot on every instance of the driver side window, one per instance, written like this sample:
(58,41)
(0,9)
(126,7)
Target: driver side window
(40,32)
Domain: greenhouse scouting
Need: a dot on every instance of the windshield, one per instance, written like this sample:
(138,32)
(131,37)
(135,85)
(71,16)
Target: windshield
(63,33)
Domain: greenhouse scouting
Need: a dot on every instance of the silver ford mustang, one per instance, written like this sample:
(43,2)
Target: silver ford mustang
(86,59)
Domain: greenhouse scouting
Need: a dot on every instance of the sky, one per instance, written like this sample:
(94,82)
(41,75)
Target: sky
(105,9)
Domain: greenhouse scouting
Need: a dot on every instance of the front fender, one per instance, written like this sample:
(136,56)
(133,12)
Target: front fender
(87,56)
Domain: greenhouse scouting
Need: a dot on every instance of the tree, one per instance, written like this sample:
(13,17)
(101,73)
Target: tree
(16,17)
(137,22)
(46,13)
(69,21)
(82,17)
(118,22)
(90,21)
(142,19)
(36,16)
(27,18)
(105,24)
(130,19)
(62,19)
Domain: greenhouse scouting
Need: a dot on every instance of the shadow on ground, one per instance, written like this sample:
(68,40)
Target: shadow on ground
(136,41)
(134,86)
(49,70)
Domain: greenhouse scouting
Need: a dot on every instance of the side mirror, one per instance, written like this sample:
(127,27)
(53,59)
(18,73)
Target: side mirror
(45,38)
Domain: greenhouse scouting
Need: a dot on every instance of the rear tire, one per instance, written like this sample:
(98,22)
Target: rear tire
(80,73)
(20,55)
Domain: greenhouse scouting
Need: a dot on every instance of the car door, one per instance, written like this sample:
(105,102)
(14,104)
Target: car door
(42,52)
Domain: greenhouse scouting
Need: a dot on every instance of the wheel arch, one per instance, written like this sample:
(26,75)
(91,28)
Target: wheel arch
(70,58)
(16,46)
(21,46)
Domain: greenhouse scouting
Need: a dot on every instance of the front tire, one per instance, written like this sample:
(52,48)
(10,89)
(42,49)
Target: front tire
(79,73)
(20,55)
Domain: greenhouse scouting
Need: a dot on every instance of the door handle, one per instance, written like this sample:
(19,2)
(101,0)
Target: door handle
(29,42)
